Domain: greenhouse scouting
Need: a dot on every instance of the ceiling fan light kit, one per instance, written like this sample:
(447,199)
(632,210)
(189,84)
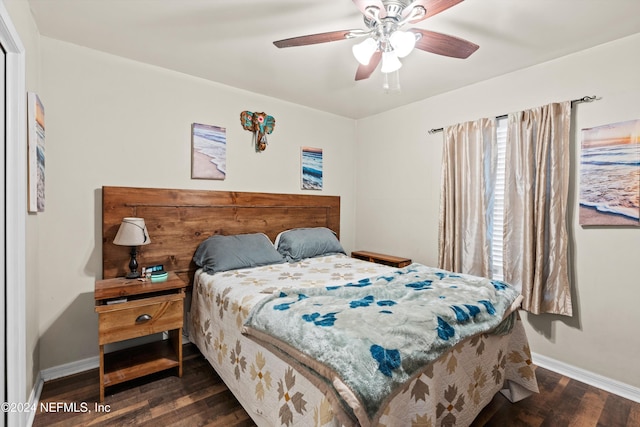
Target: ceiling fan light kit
(386,42)
(398,45)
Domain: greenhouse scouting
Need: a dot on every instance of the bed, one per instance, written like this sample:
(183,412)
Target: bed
(274,386)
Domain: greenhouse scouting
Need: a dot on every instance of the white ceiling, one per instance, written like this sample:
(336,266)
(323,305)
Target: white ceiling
(230,41)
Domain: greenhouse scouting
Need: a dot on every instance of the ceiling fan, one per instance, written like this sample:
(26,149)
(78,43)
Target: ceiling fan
(386,41)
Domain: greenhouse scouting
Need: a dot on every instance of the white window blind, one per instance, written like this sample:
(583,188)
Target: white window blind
(498,203)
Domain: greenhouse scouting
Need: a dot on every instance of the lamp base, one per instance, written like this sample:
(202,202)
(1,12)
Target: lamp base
(133,264)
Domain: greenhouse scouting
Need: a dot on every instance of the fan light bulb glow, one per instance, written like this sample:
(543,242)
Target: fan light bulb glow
(390,62)
(402,42)
(365,50)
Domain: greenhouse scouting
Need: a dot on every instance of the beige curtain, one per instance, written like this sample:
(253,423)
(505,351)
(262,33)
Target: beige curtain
(536,191)
(468,174)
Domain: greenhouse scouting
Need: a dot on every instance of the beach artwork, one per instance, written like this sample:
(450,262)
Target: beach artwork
(610,174)
(35,148)
(311,161)
(208,152)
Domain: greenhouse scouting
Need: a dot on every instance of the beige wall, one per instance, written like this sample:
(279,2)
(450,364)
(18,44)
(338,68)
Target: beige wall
(112,121)
(26,28)
(398,178)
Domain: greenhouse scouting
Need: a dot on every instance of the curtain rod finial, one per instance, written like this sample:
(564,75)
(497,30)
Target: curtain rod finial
(588,99)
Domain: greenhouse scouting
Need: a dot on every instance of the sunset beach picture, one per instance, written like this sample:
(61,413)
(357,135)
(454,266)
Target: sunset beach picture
(610,174)
(311,163)
(208,152)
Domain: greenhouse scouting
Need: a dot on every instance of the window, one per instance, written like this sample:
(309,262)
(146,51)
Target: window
(498,202)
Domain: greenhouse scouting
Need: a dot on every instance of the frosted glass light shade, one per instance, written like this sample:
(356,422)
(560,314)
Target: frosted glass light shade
(390,62)
(402,42)
(132,232)
(364,51)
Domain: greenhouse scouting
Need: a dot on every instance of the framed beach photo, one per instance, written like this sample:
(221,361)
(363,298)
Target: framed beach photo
(311,168)
(610,174)
(35,148)
(208,152)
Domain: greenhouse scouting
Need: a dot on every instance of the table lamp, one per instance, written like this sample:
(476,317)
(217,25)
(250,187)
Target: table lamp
(132,232)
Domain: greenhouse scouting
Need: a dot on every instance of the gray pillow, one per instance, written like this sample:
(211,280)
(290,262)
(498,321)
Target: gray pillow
(301,243)
(221,253)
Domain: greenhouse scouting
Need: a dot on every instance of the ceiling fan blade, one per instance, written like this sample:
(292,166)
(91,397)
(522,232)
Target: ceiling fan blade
(364,4)
(433,7)
(331,36)
(443,44)
(365,71)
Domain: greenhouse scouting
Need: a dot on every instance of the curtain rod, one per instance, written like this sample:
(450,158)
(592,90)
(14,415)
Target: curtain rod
(574,101)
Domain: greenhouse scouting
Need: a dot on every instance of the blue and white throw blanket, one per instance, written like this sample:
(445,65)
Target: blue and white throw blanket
(368,338)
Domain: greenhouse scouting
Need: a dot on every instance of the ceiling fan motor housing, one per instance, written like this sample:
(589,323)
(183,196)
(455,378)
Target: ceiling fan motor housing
(394,10)
(395,7)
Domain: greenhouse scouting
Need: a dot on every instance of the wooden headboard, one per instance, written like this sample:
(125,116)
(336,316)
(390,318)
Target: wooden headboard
(179,220)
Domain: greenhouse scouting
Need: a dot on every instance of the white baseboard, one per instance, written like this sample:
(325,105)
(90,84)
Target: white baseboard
(34,398)
(70,368)
(57,372)
(612,386)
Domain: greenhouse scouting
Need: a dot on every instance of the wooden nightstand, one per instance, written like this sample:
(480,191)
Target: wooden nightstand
(149,308)
(390,260)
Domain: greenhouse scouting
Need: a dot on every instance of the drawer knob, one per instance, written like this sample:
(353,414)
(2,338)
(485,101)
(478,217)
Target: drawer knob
(143,318)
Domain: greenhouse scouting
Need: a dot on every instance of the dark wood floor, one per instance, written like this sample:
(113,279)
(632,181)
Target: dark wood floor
(200,398)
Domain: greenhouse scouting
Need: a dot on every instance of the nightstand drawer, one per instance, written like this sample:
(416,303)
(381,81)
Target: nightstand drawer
(139,318)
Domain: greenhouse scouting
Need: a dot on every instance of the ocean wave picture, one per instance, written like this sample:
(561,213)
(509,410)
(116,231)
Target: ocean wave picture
(311,161)
(610,174)
(208,152)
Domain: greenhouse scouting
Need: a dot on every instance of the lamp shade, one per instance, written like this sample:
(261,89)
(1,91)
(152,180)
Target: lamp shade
(132,232)
(365,50)
(402,42)
(390,62)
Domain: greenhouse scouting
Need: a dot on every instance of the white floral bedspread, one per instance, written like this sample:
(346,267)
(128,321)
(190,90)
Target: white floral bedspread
(274,393)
